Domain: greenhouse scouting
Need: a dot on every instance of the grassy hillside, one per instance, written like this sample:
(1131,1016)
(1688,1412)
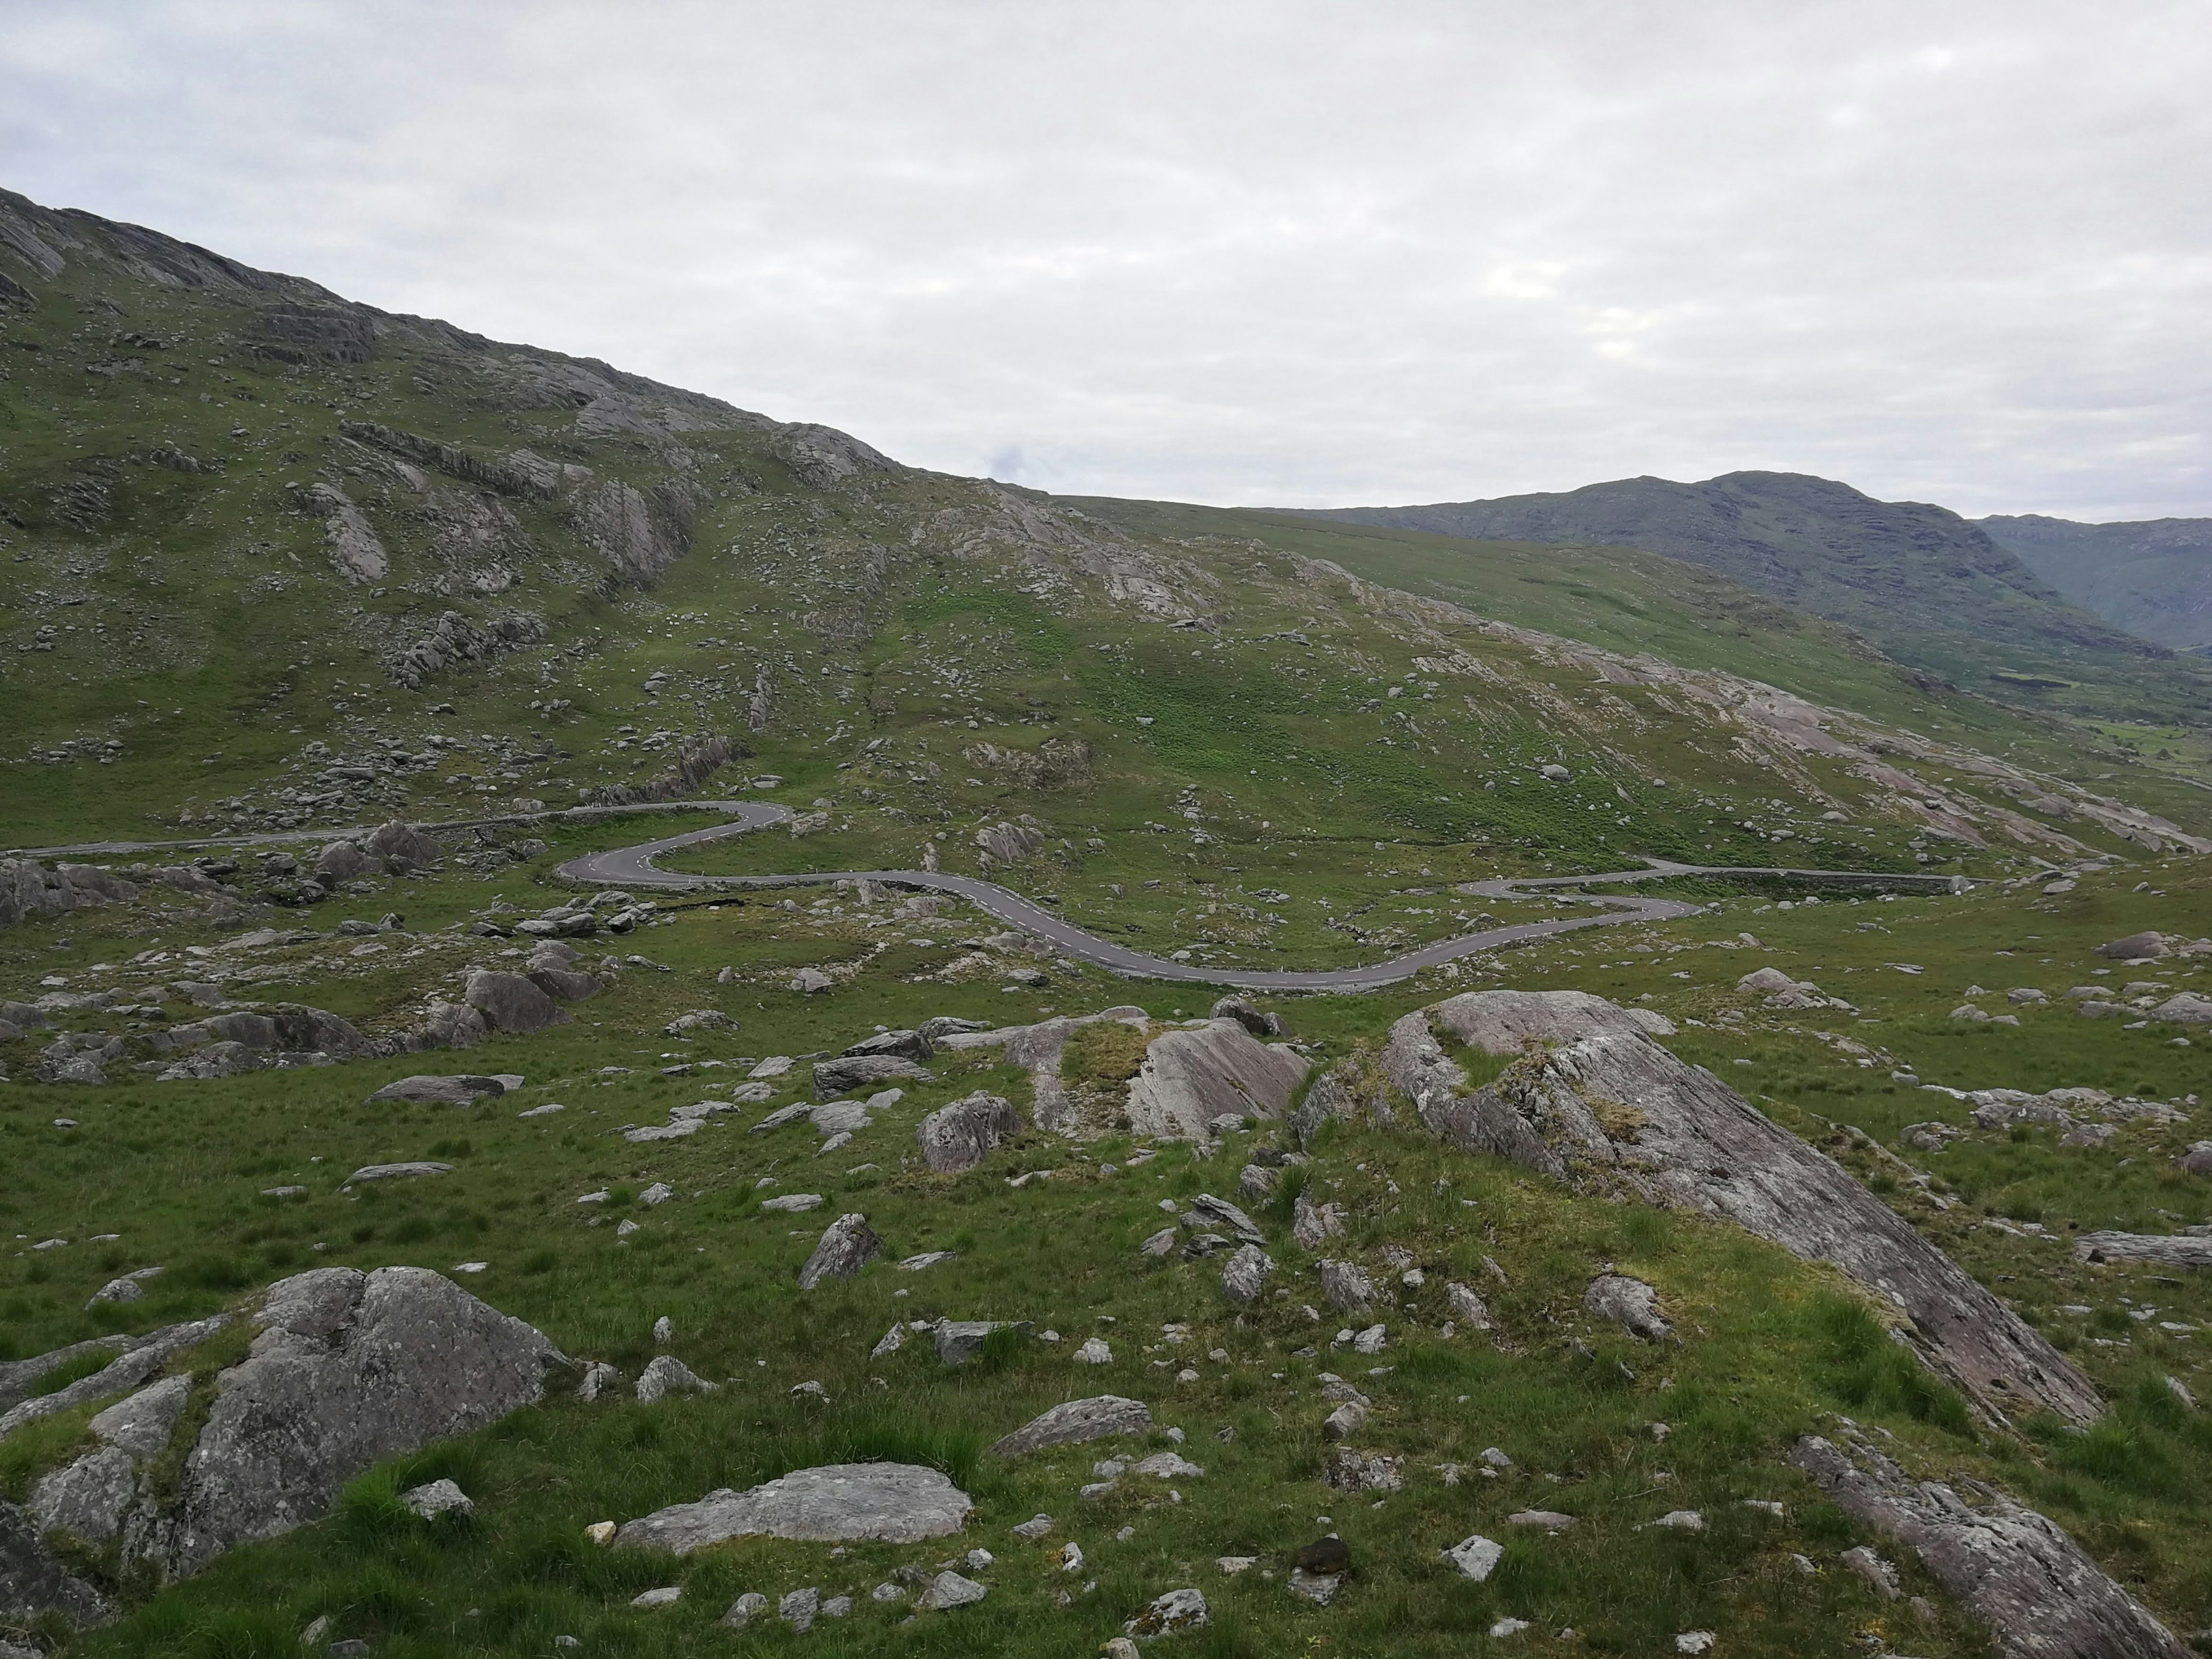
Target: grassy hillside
(2153,577)
(274,562)
(1928,586)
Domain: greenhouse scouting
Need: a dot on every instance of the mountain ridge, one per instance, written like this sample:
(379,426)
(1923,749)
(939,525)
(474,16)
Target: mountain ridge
(1929,587)
(2151,576)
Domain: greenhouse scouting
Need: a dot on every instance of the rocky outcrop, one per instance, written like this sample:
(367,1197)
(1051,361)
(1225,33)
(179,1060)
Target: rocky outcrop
(29,889)
(1038,1049)
(356,553)
(454,639)
(956,1137)
(349,1368)
(639,538)
(1192,1076)
(878,1502)
(461,1089)
(1008,844)
(142,1359)
(824,457)
(1616,1113)
(2039,1593)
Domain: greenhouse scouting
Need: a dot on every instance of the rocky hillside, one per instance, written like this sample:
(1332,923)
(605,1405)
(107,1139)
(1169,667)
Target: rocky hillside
(1928,586)
(433,1236)
(2153,577)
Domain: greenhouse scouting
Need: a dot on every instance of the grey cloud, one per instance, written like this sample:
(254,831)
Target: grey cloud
(1299,253)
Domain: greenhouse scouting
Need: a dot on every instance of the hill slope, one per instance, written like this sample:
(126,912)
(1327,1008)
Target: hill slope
(1928,586)
(274,562)
(2153,577)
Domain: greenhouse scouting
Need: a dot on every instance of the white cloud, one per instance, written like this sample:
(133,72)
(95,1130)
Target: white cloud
(1291,252)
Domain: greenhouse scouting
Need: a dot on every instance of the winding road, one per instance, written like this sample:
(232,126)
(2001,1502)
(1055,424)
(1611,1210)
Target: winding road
(633,867)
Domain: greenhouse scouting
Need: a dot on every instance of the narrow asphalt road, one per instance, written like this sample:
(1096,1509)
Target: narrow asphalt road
(633,867)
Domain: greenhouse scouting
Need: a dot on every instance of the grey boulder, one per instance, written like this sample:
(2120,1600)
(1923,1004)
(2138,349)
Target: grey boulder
(1099,1417)
(959,1137)
(847,1245)
(1245,1275)
(512,1002)
(1628,1303)
(463,1089)
(1189,1078)
(880,1503)
(349,1369)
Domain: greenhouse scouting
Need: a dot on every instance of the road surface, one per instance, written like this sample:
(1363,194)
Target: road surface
(633,867)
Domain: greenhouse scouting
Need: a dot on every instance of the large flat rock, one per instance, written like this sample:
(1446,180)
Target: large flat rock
(880,1503)
(2036,1588)
(1192,1076)
(1617,1112)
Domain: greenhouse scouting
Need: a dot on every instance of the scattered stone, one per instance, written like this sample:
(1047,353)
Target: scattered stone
(740,1612)
(598,1377)
(1549,1519)
(667,1596)
(1319,1588)
(1345,1421)
(512,1002)
(959,1340)
(1033,1528)
(1094,1351)
(438,1498)
(798,1608)
(1346,1287)
(948,1590)
(1162,1243)
(665,1374)
(834,1080)
(1176,1610)
(1466,1307)
(1313,1225)
(1881,1576)
(1351,1471)
(1475,1557)
(395,1171)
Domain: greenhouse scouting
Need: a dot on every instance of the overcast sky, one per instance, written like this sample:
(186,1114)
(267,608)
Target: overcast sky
(1304,254)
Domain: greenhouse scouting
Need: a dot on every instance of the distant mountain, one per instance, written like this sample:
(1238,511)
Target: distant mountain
(2153,577)
(1929,587)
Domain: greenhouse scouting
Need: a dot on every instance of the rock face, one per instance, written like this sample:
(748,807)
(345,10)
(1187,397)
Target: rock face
(956,1137)
(513,1002)
(884,1503)
(1616,1112)
(847,1245)
(2029,1583)
(1194,1076)
(1099,1417)
(33,1581)
(350,1368)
